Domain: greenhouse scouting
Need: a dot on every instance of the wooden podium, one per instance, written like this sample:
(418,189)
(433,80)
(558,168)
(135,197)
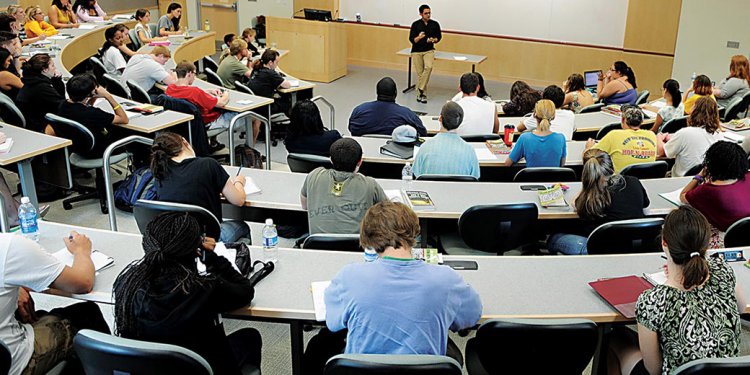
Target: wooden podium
(317,50)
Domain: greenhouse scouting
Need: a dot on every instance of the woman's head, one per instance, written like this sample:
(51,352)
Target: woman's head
(34,13)
(166,146)
(518,88)
(174,10)
(725,161)
(482,90)
(86,4)
(702,85)
(248,34)
(305,119)
(597,175)
(389,224)
(705,115)
(6,58)
(17,12)
(575,83)
(60,4)
(739,68)
(671,89)
(37,64)
(621,69)
(175,235)
(544,113)
(143,16)
(268,59)
(685,238)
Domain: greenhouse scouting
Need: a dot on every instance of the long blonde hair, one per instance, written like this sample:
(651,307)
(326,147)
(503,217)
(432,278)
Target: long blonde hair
(597,177)
(544,112)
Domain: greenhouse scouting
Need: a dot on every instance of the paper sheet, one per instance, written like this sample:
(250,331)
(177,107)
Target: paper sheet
(101,261)
(132,115)
(244,101)
(318,292)
(460,58)
(87,26)
(734,137)
(221,250)
(5,146)
(294,82)
(394,195)
(484,153)
(251,187)
(650,114)
(658,103)
(673,196)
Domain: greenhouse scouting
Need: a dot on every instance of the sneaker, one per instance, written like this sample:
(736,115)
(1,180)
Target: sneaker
(422,99)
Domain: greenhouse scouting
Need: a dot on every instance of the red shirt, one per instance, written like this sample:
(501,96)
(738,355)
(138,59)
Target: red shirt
(205,102)
(722,204)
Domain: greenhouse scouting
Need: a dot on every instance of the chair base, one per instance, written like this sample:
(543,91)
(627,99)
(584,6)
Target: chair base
(86,193)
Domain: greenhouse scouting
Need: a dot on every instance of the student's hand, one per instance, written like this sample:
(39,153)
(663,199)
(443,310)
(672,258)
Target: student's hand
(42,36)
(421,35)
(590,143)
(703,172)
(664,137)
(74,25)
(26,308)
(101,92)
(240,179)
(78,244)
(601,76)
(208,243)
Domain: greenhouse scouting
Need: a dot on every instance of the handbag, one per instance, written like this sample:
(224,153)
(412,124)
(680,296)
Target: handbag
(243,259)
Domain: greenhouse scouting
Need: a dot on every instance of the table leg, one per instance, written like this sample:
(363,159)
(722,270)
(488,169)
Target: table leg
(424,231)
(27,181)
(473,68)
(599,363)
(294,98)
(268,140)
(409,86)
(298,346)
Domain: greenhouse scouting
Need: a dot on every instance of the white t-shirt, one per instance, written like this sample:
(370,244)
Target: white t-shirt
(563,123)
(668,113)
(144,71)
(22,263)
(687,146)
(479,116)
(146,31)
(114,61)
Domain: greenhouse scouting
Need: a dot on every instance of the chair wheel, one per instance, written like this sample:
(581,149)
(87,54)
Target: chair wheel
(67,206)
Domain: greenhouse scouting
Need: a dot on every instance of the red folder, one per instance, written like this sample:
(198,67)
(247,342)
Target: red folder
(622,292)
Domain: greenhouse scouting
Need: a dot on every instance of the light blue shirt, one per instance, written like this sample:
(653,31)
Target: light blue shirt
(539,151)
(395,306)
(446,153)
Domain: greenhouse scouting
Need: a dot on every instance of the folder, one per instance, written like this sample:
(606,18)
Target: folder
(622,292)
(397,150)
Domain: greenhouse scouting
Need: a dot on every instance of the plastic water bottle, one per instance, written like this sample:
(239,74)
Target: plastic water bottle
(270,241)
(206,25)
(370,254)
(27,216)
(406,177)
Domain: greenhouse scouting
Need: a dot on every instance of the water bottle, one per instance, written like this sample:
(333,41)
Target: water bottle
(27,216)
(270,241)
(370,254)
(406,177)
(206,25)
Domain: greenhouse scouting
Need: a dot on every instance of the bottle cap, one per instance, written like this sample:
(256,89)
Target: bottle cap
(25,200)
(269,221)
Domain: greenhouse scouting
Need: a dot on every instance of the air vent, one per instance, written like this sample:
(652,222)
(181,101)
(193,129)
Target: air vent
(731,44)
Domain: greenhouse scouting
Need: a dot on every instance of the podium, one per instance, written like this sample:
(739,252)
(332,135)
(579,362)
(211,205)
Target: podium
(317,50)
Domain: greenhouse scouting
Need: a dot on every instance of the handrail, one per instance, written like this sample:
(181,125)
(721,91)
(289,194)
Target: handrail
(108,174)
(330,107)
(4,227)
(249,135)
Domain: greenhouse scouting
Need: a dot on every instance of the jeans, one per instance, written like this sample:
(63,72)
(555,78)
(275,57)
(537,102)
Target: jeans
(234,230)
(569,244)
(222,122)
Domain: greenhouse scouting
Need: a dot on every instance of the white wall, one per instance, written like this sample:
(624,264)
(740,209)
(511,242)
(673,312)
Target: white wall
(705,28)
(250,8)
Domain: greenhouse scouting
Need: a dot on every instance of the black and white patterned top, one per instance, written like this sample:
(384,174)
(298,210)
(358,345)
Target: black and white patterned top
(700,323)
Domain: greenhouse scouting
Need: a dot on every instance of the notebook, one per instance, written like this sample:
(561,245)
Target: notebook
(101,261)
(673,196)
(419,200)
(622,292)
(251,187)
(394,195)
(397,150)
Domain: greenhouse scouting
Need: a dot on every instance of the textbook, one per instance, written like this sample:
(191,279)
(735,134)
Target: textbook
(419,200)
(396,150)
(498,147)
(318,289)
(147,108)
(101,261)
(673,197)
(552,197)
(622,292)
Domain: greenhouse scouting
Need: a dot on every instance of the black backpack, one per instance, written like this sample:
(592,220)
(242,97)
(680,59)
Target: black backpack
(248,157)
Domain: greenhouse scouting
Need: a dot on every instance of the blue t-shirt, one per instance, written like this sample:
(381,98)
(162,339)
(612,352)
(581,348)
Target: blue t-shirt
(395,306)
(539,151)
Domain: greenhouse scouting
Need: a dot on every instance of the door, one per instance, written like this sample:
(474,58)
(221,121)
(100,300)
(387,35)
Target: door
(222,15)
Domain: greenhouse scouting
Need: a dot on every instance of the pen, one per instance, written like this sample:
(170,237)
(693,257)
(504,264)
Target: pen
(238,171)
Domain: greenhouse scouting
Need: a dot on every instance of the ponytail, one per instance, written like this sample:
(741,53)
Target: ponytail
(36,64)
(109,35)
(687,233)
(598,174)
(544,112)
(268,56)
(166,146)
(673,88)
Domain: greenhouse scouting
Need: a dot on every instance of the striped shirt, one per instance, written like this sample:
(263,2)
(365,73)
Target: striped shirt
(446,153)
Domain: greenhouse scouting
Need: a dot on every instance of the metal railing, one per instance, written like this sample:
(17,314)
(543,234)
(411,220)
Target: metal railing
(249,134)
(108,173)
(4,227)
(330,107)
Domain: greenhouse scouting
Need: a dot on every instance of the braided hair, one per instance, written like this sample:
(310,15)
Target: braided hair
(166,146)
(170,243)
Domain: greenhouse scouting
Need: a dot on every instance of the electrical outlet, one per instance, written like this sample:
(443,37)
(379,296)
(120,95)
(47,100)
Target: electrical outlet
(733,44)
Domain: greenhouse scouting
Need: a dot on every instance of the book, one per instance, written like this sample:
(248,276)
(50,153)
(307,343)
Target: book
(498,147)
(396,150)
(419,200)
(656,278)
(552,197)
(250,186)
(673,197)
(737,124)
(101,261)
(394,195)
(318,289)
(622,292)
(147,108)
(222,251)
(5,146)
(612,109)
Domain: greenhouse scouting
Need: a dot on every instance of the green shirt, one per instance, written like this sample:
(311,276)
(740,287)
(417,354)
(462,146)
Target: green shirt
(231,70)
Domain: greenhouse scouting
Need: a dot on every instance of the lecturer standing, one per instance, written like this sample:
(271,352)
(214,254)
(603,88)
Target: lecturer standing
(423,36)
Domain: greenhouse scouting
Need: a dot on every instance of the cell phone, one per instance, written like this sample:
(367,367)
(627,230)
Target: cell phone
(533,187)
(462,265)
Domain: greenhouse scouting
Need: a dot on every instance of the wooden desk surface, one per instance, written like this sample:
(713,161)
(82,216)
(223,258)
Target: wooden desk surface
(452,56)
(27,144)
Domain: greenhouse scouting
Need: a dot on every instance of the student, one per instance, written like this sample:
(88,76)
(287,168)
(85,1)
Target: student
(169,24)
(248,35)
(396,304)
(209,102)
(43,91)
(143,16)
(701,87)
(576,95)
(112,57)
(629,145)
(162,297)
(617,86)
(181,177)
(481,94)
(673,108)
(688,145)
(10,84)
(89,11)
(231,68)
(604,197)
(306,133)
(719,191)
(12,43)
(446,152)
(480,116)
(336,199)
(737,84)
(423,35)
(264,81)
(83,93)
(35,24)
(694,315)
(384,114)
(61,15)
(148,69)
(522,99)
(540,147)
(228,38)
(563,121)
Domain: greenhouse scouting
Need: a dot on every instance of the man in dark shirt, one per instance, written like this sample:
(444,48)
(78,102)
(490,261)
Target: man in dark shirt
(383,115)
(423,35)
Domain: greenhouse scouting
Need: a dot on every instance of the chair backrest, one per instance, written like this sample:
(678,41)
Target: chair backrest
(716,366)
(239,86)
(626,236)
(497,228)
(137,93)
(446,177)
(10,113)
(539,346)
(154,30)
(596,107)
(134,39)
(387,364)
(380,136)
(653,169)
(306,163)
(209,63)
(213,78)
(738,234)
(5,358)
(480,137)
(331,241)
(606,129)
(102,354)
(544,174)
(673,125)
(114,86)
(694,170)
(82,138)
(733,109)
(98,67)
(146,210)
(642,97)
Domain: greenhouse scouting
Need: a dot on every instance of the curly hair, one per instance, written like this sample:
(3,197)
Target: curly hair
(726,161)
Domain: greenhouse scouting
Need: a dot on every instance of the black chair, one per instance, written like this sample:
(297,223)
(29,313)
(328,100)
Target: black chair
(538,346)
(596,107)
(480,137)
(213,78)
(196,131)
(736,107)
(673,125)
(626,237)
(653,169)
(738,234)
(97,66)
(83,143)
(716,366)
(9,113)
(446,177)
(306,163)
(146,210)
(545,174)
(5,358)
(642,97)
(114,86)
(694,170)
(331,241)
(387,364)
(137,93)
(493,229)
(209,63)
(606,129)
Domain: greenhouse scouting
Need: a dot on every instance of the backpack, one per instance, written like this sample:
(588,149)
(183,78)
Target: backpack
(248,157)
(138,185)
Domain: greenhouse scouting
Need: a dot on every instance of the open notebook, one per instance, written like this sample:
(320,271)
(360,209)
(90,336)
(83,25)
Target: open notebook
(101,260)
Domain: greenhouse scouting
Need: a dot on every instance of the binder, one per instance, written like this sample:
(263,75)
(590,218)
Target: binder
(397,150)
(622,292)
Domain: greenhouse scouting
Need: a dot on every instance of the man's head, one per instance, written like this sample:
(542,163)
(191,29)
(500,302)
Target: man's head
(185,70)
(425,12)
(346,155)
(389,224)
(238,47)
(81,87)
(632,117)
(555,94)
(469,84)
(161,54)
(228,38)
(386,89)
(451,116)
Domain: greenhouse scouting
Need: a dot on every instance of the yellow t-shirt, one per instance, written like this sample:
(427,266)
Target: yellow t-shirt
(690,102)
(627,147)
(62,17)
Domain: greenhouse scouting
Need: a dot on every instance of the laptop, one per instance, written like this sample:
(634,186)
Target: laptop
(590,78)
